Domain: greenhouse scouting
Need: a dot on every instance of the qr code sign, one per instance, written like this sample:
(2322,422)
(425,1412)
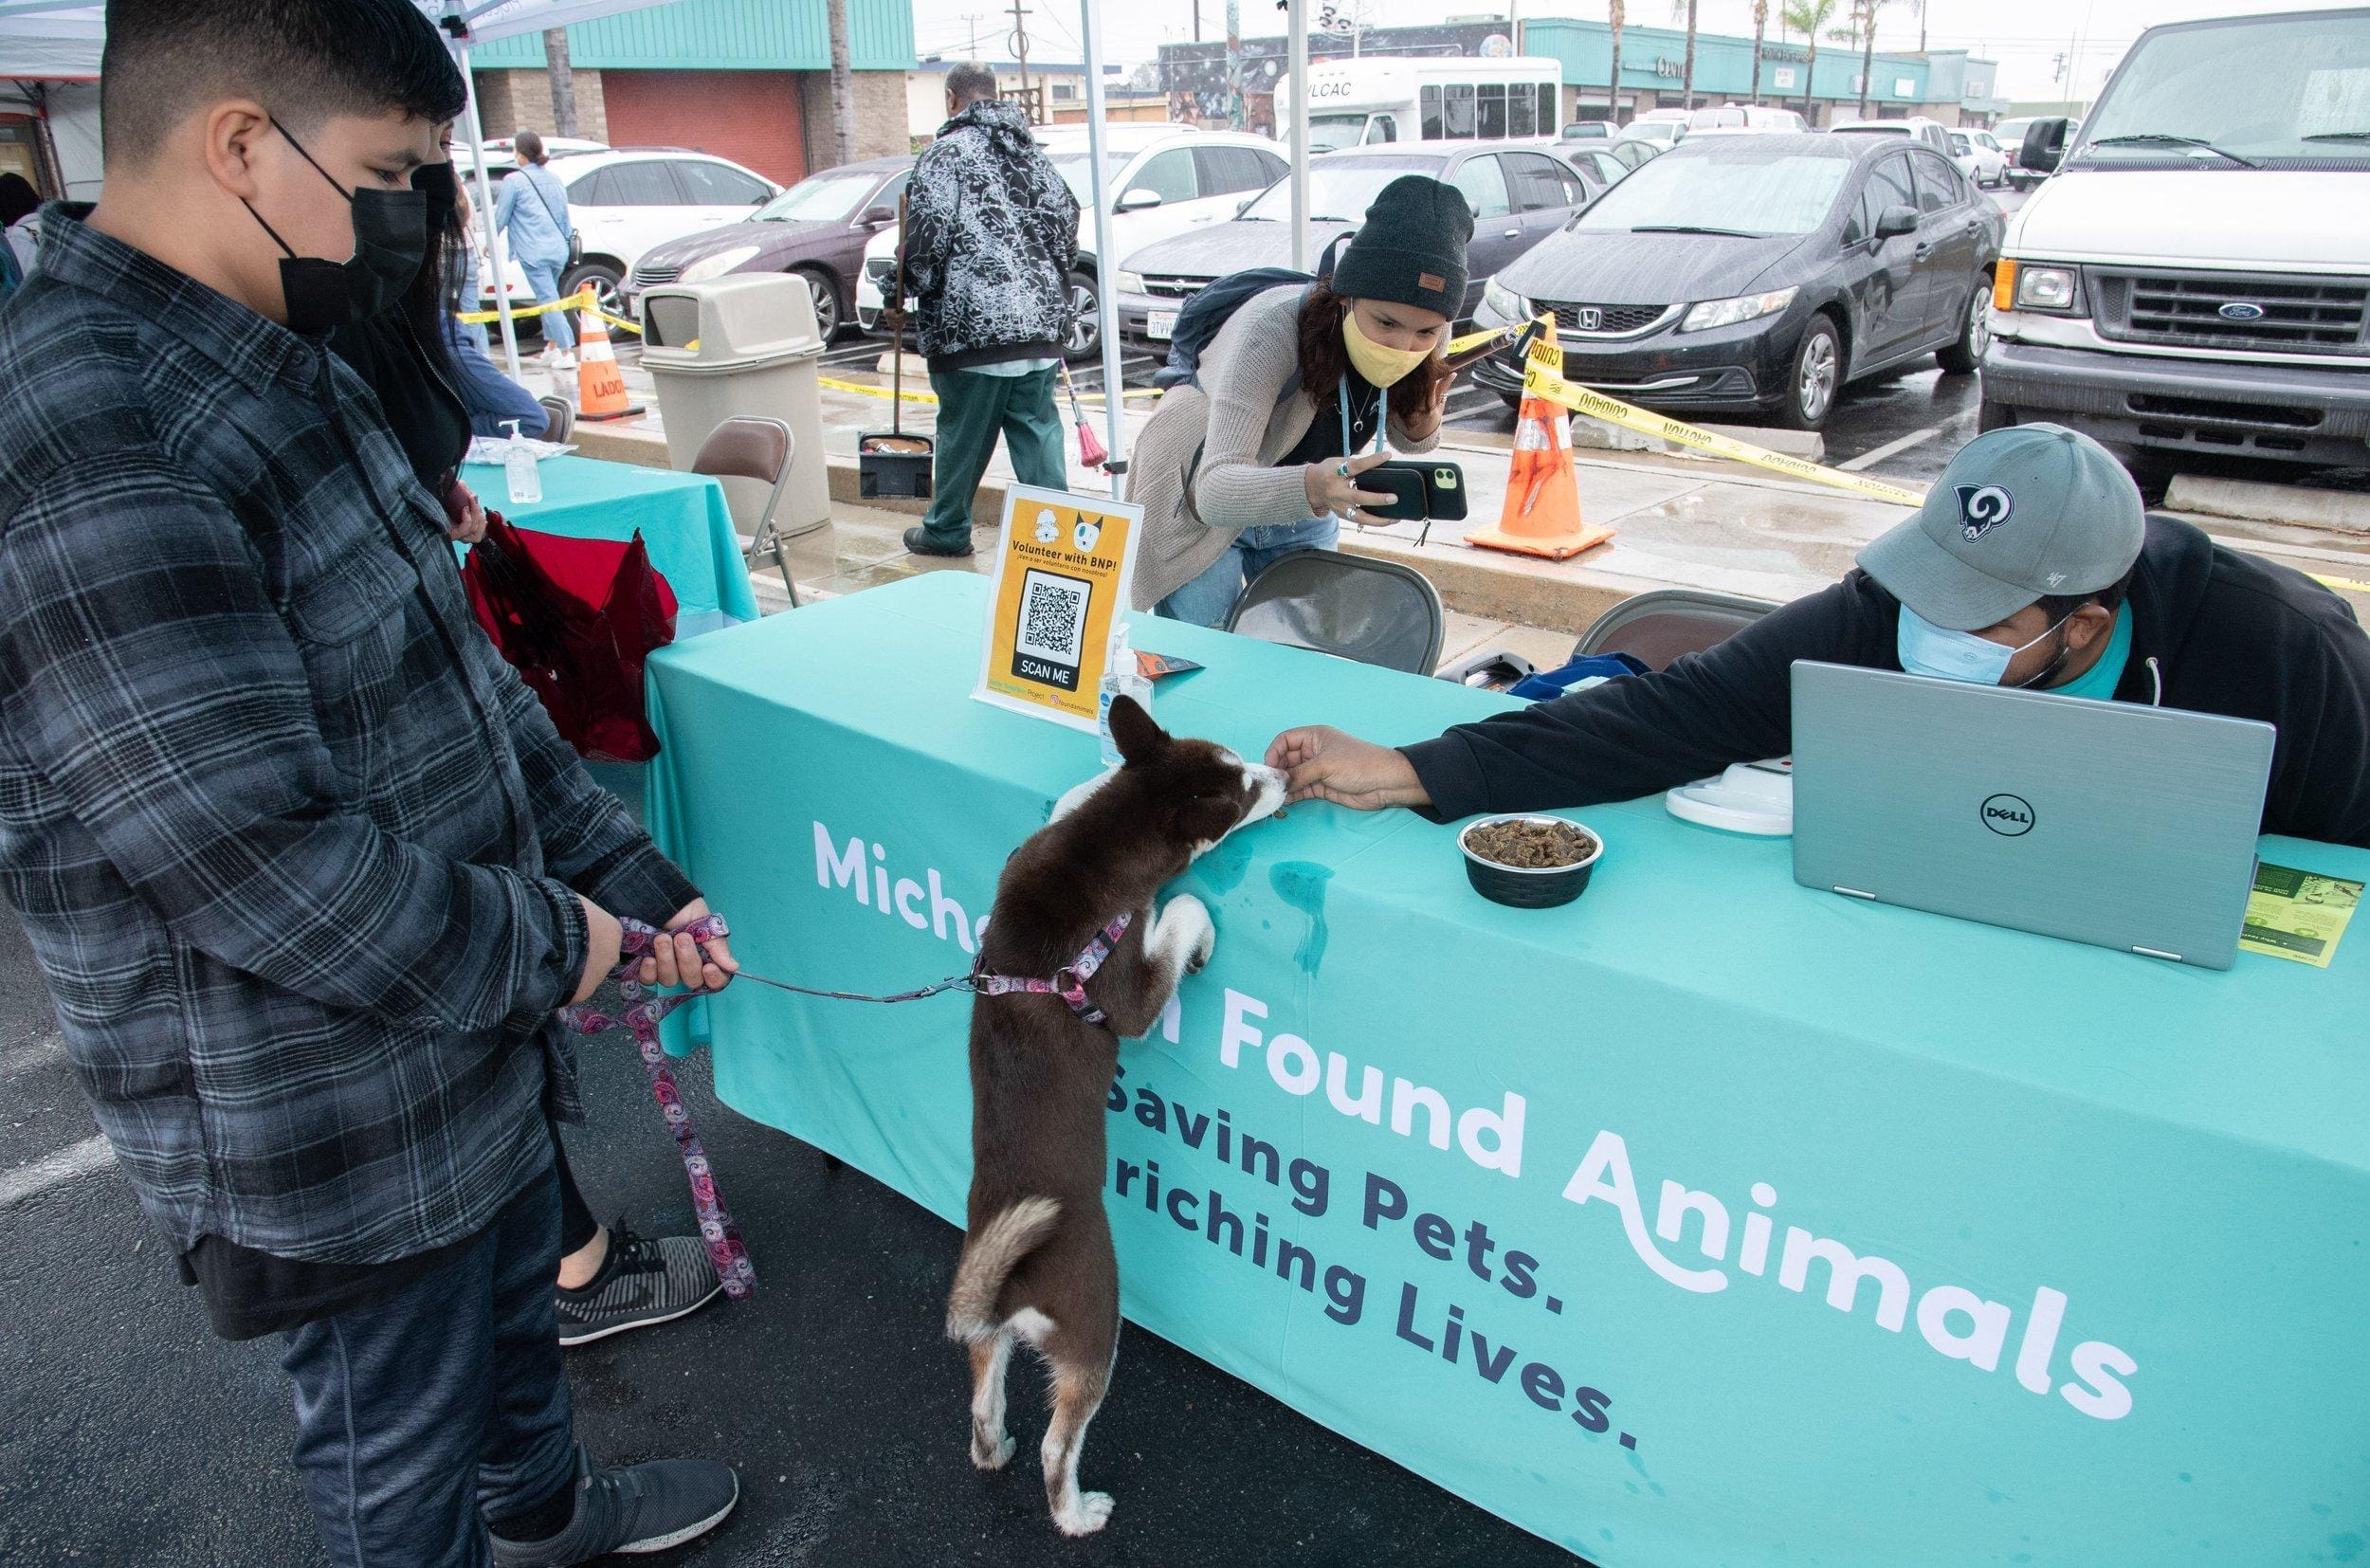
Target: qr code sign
(1053,617)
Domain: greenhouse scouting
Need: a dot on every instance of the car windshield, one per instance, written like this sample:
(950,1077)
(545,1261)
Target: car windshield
(1072,167)
(823,199)
(2231,93)
(1715,120)
(1339,190)
(1738,189)
(1328,133)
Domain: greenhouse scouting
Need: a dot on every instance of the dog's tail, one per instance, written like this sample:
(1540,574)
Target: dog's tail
(989,1258)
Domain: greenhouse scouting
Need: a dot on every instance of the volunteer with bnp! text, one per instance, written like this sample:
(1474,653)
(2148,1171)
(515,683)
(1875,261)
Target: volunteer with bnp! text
(2030,564)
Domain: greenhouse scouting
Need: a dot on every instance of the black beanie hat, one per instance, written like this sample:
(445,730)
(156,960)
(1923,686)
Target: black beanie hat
(1411,249)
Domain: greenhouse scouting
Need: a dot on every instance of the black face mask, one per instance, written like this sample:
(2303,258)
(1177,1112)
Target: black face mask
(389,244)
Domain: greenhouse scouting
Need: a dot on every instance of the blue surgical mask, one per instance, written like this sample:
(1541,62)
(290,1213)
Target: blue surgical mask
(1944,655)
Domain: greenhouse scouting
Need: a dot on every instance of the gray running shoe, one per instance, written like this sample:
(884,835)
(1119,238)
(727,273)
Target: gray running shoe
(650,1280)
(636,1509)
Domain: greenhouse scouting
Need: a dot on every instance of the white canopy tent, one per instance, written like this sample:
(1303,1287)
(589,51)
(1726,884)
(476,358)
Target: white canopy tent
(61,40)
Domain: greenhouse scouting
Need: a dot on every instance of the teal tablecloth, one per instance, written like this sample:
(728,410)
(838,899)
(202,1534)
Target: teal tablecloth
(683,520)
(1868,1237)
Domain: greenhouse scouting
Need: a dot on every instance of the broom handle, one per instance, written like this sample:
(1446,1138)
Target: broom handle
(896,365)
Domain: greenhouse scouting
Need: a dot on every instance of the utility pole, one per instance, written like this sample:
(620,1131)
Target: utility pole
(843,87)
(972,19)
(563,82)
(1197,21)
(1020,52)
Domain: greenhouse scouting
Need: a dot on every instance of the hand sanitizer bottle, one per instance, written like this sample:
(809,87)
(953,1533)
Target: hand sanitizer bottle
(1120,678)
(526,484)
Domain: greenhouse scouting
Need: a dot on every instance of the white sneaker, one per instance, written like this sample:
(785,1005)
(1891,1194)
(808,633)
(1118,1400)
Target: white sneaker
(563,362)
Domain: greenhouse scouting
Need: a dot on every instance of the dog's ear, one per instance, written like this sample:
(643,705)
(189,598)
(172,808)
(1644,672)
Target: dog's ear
(1133,731)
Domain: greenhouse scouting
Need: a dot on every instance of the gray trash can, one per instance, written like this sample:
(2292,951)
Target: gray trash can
(743,345)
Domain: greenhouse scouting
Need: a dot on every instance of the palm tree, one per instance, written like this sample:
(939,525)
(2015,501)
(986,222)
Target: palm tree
(1864,18)
(1687,84)
(1761,25)
(1809,18)
(1616,13)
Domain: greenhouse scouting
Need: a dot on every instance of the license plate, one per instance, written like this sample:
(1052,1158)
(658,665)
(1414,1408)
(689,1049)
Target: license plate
(1161,324)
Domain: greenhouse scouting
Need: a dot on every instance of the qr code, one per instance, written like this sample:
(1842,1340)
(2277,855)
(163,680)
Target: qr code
(1053,616)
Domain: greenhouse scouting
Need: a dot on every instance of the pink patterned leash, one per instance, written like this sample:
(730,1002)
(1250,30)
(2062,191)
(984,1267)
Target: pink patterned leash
(640,1017)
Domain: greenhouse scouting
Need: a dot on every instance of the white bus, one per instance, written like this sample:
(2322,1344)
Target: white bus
(1355,103)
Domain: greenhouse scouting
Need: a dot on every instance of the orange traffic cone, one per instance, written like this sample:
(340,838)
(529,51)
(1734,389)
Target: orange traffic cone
(600,384)
(1542,514)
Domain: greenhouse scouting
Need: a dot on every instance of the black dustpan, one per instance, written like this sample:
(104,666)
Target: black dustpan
(890,464)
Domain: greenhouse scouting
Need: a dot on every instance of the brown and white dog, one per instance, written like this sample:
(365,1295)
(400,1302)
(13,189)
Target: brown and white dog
(1038,1264)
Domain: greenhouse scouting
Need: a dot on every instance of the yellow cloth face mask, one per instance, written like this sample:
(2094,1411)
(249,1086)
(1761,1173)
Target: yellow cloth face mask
(1380,366)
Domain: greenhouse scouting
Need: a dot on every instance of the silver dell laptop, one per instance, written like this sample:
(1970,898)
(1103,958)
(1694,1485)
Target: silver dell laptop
(2110,822)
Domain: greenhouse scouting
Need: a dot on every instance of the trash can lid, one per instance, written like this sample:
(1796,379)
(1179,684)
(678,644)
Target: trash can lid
(728,321)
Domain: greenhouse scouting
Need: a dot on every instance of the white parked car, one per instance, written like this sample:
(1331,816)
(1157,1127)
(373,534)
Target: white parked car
(1163,180)
(1737,120)
(1979,158)
(626,201)
(1916,127)
(1665,128)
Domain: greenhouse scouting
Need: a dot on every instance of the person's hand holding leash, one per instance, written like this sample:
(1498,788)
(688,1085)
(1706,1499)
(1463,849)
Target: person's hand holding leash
(675,960)
(1324,764)
(1332,487)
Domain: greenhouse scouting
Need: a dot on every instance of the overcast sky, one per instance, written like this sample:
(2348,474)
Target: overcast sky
(2031,39)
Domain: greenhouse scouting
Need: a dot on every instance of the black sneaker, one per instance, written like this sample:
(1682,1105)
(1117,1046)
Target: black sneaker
(645,1280)
(635,1508)
(918,542)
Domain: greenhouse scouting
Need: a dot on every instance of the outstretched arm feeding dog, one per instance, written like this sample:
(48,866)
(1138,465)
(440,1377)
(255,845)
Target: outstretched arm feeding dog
(1038,1265)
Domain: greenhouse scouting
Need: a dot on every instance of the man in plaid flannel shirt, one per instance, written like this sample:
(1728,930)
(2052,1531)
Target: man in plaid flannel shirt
(305,865)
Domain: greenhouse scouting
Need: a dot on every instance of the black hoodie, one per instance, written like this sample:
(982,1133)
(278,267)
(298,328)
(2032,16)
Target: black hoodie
(2212,630)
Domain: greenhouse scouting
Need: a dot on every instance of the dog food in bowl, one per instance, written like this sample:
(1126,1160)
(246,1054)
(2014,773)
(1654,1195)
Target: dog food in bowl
(1529,862)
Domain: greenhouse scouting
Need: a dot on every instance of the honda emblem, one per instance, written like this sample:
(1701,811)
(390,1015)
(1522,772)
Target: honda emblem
(1587,318)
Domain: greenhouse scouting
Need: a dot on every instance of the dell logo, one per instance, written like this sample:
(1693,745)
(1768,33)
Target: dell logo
(2008,815)
(2240,310)
(1588,319)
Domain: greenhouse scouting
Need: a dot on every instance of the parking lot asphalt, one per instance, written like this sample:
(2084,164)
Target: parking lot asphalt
(132,1438)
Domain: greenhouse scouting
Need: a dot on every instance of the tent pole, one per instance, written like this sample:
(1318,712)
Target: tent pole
(1106,263)
(1296,63)
(497,256)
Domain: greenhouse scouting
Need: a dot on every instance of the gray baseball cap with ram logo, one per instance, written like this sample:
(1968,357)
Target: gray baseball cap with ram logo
(2020,514)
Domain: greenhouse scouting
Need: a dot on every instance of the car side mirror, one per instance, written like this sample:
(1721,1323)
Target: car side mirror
(1900,218)
(1138,199)
(2044,146)
(879,217)
(1244,206)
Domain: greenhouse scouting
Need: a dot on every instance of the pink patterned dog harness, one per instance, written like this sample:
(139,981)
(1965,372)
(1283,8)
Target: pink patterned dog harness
(1068,984)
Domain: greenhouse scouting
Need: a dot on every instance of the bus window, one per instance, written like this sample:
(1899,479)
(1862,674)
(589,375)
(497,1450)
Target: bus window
(1522,111)
(1491,117)
(1456,112)
(1382,128)
(1548,119)
(1429,128)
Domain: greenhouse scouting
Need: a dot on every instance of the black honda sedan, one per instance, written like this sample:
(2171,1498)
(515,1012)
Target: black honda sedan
(1760,274)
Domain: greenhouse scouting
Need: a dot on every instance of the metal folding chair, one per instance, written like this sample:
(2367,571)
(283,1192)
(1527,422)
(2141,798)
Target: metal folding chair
(1660,626)
(1374,611)
(747,447)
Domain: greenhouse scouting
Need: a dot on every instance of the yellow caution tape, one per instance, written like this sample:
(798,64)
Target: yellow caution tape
(578,302)
(2345,585)
(1091,400)
(1540,382)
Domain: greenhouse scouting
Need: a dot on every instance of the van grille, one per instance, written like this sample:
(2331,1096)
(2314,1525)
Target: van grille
(1174,287)
(2298,315)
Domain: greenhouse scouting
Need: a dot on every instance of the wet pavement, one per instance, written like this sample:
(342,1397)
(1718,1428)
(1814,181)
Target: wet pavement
(132,1438)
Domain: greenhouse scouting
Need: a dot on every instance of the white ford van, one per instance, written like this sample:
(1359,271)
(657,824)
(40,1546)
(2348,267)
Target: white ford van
(2196,274)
